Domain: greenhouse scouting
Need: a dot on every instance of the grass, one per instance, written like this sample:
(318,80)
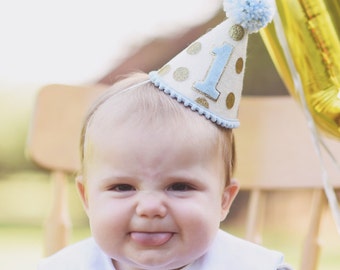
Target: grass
(290,243)
(21,246)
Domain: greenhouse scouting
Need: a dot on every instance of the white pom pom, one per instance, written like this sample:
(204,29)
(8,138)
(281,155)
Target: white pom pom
(250,14)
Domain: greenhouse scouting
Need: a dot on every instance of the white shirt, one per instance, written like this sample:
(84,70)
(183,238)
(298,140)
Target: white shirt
(226,253)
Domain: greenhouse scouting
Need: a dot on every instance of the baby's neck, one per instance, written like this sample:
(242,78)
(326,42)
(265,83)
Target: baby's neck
(123,266)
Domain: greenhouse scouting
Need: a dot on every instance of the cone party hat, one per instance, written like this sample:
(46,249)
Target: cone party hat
(208,75)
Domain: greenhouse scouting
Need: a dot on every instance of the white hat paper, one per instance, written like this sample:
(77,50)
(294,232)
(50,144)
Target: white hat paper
(208,75)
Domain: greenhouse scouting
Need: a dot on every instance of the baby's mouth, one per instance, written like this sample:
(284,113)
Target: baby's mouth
(151,238)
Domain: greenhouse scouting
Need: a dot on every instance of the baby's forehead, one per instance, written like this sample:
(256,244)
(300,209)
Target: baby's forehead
(164,120)
(146,129)
(109,139)
(148,110)
(147,107)
(144,125)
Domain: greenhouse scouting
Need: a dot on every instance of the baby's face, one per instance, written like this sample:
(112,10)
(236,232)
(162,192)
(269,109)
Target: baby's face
(154,200)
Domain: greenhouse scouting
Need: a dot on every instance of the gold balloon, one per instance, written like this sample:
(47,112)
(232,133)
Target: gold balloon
(312,30)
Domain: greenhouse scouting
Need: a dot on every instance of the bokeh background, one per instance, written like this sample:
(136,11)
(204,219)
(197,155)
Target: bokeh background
(87,42)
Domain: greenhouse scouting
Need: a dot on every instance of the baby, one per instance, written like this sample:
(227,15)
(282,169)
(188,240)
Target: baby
(156,175)
(155,184)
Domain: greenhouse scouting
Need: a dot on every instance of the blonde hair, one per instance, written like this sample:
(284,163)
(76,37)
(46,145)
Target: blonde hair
(136,99)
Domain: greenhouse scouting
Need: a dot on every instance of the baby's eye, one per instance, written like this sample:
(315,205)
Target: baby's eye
(181,187)
(122,187)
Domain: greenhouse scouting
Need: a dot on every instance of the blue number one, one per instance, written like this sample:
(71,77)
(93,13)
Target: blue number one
(208,86)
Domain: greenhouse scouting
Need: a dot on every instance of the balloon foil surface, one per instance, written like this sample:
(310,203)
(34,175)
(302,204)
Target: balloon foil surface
(312,30)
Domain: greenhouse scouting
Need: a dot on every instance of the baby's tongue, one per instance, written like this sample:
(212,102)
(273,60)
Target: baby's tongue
(151,239)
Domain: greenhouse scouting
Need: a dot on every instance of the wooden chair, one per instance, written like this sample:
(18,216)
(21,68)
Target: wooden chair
(276,152)
(53,144)
(274,149)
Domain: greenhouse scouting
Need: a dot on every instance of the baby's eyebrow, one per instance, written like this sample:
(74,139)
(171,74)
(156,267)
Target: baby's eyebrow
(187,179)
(116,178)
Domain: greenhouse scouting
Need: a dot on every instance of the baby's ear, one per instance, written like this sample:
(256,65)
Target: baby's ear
(81,187)
(228,196)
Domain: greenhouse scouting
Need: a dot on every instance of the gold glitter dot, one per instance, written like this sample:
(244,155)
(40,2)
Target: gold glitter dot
(230,101)
(181,74)
(164,70)
(194,48)
(202,101)
(239,65)
(236,32)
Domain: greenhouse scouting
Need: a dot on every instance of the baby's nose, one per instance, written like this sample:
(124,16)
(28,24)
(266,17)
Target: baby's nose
(151,204)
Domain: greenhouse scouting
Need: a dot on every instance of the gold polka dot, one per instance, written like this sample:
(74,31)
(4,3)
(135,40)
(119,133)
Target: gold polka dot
(202,101)
(194,48)
(239,65)
(236,32)
(230,101)
(164,70)
(181,74)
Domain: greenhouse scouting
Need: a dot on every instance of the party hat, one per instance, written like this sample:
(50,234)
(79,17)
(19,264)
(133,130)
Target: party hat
(208,75)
